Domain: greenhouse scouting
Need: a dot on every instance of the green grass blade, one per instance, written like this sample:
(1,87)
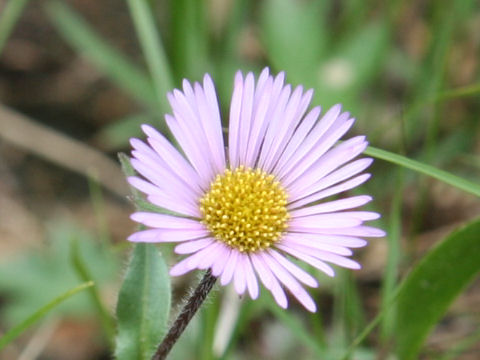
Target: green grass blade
(432,285)
(153,50)
(209,316)
(464,91)
(189,40)
(363,335)
(295,34)
(84,274)
(425,169)
(462,346)
(9,16)
(394,256)
(13,333)
(110,61)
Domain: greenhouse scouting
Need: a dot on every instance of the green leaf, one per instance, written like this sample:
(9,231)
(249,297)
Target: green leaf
(38,275)
(155,56)
(394,254)
(364,51)
(13,333)
(9,16)
(294,36)
(354,62)
(143,304)
(425,169)
(189,39)
(89,44)
(432,286)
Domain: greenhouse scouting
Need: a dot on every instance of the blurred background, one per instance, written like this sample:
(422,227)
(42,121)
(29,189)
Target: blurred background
(77,79)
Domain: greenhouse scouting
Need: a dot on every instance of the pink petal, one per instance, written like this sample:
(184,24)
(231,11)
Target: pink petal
(320,265)
(274,125)
(229,268)
(246,117)
(144,186)
(162,178)
(190,247)
(269,280)
(314,168)
(163,221)
(284,129)
(296,241)
(234,123)
(295,270)
(268,103)
(221,261)
(251,278)
(212,128)
(186,111)
(239,279)
(292,125)
(336,259)
(322,221)
(190,262)
(315,145)
(366,231)
(343,204)
(265,275)
(169,202)
(290,283)
(189,146)
(162,235)
(175,161)
(260,122)
(338,240)
(211,98)
(318,195)
(181,268)
(298,137)
(211,255)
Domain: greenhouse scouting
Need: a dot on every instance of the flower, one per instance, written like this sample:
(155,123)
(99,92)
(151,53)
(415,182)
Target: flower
(244,211)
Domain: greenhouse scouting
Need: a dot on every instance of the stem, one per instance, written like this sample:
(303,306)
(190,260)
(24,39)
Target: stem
(190,308)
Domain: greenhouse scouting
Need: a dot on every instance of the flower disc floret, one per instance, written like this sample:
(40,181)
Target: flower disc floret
(246,209)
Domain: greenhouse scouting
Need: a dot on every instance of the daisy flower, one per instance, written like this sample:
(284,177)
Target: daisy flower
(244,209)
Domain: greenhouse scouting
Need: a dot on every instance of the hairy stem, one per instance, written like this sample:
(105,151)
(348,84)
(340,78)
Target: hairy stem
(190,308)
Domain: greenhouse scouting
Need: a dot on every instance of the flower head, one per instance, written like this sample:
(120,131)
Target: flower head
(244,210)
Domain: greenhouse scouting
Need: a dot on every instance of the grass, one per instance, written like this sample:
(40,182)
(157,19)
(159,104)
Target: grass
(397,68)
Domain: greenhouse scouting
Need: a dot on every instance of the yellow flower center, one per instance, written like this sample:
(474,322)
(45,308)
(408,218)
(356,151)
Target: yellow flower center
(246,209)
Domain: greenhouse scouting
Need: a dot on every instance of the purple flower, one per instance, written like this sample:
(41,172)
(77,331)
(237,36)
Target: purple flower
(244,211)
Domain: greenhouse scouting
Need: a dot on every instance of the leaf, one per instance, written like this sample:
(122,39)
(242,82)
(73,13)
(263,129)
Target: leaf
(365,50)
(143,304)
(433,285)
(13,333)
(155,56)
(294,36)
(38,275)
(353,64)
(189,38)
(85,275)
(8,18)
(425,169)
(89,44)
